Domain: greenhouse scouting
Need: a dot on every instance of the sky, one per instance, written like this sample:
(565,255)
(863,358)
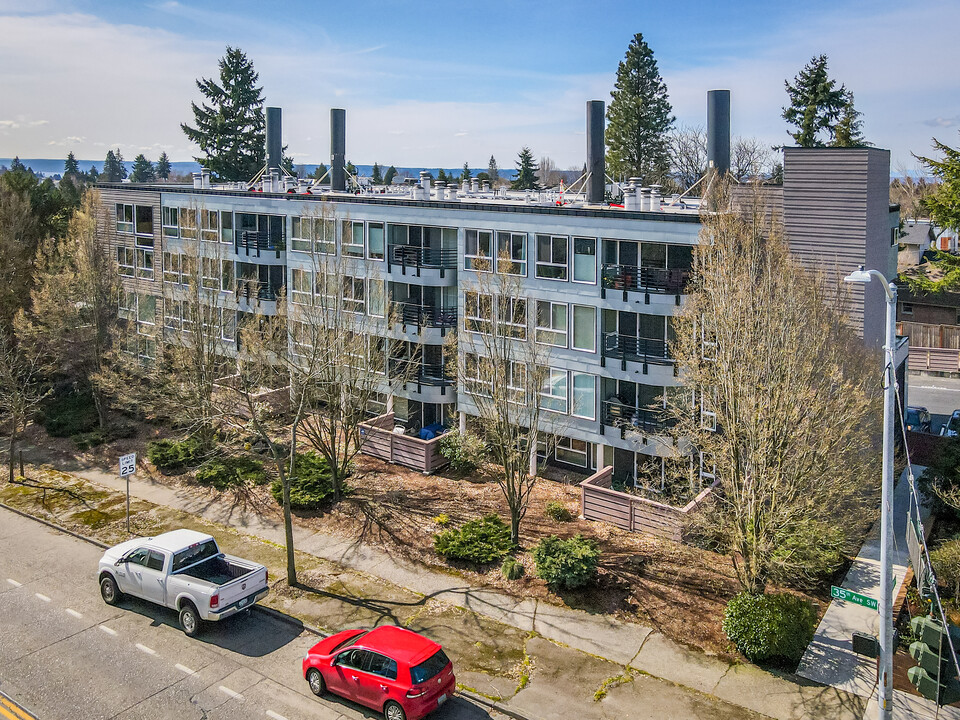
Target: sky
(439,83)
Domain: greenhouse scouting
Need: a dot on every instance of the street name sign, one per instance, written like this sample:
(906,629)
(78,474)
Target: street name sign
(850,596)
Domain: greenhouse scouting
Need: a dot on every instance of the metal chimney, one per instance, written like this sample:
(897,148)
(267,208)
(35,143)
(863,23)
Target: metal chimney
(718,130)
(274,142)
(596,170)
(338,149)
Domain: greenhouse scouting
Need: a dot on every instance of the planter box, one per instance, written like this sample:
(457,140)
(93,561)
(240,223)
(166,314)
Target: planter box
(380,441)
(277,401)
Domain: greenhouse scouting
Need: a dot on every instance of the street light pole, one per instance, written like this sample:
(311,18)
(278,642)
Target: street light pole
(885,684)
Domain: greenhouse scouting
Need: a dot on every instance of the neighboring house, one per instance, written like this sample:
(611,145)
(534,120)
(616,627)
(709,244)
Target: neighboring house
(917,236)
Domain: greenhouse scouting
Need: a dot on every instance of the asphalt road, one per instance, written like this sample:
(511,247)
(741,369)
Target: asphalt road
(66,655)
(941,396)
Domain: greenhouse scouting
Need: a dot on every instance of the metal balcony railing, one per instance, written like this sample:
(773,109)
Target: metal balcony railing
(630,278)
(255,242)
(410,313)
(412,256)
(247,289)
(413,371)
(634,349)
(625,417)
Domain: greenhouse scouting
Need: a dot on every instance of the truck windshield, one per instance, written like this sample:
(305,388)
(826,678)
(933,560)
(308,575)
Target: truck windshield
(194,554)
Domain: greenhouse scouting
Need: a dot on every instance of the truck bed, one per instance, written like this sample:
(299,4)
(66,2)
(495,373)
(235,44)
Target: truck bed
(217,571)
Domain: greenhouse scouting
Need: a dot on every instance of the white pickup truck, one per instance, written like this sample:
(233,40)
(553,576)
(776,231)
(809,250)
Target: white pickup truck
(183,570)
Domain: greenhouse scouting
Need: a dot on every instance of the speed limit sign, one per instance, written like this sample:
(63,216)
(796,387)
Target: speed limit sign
(128,464)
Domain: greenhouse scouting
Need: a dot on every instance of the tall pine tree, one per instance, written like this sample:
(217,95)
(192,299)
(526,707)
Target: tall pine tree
(816,104)
(639,117)
(465,174)
(376,177)
(944,203)
(230,127)
(143,170)
(70,167)
(848,131)
(163,167)
(526,171)
(113,168)
(493,171)
(390,175)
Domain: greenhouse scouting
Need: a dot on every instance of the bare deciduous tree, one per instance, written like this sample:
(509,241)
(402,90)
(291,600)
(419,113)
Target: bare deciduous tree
(786,408)
(749,158)
(21,389)
(687,146)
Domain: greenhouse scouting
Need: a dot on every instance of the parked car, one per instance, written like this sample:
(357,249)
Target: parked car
(952,427)
(390,669)
(918,419)
(183,570)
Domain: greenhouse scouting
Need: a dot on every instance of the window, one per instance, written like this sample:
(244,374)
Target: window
(226,276)
(171,268)
(572,452)
(377,354)
(377,305)
(381,665)
(353,295)
(156,560)
(353,658)
(517,383)
(905,309)
(226,227)
(302,284)
(476,375)
(170,219)
(209,225)
(512,253)
(478,251)
(228,324)
(313,234)
(375,241)
(552,257)
(553,393)
(128,304)
(477,312)
(584,328)
(147,309)
(512,316)
(584,395)
(551,323)
(653,255)
(585,260)
(145,264)
(172,312)
(138,557)
(188,223)
(125,261)
(124,218)
(430,669)
(209,273)
(144,217)
(352,238)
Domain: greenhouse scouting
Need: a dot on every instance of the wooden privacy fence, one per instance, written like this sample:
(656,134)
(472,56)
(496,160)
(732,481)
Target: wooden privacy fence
(276,401)
(598,501)
(934,359)
(380,441)
(926,335)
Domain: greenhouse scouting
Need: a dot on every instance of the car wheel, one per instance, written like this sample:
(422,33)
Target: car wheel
(109,591)
(189,620)
(316,682)
(393,711)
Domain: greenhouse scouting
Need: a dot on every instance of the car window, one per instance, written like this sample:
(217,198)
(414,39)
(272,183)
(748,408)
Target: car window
(348,641)
(352,658)
(430,668)
(138,556)
(381,665)
(194,554)
(155,560)
(913,417)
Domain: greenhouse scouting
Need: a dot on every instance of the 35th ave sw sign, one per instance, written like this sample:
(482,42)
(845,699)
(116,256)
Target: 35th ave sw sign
(850,596)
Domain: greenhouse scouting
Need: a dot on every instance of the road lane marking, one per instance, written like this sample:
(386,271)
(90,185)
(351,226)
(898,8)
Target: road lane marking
(275,716)
(14,582)
(42,597)
(232,693)
(144,648)
(108,631)
(185,669)
(71,611)
(14,711)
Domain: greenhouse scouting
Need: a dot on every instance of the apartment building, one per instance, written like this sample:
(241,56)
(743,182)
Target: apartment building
(599,284)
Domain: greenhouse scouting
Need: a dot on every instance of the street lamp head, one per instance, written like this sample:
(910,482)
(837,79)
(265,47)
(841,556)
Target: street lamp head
(860,276)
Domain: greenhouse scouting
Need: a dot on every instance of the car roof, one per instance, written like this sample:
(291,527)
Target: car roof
(400,644)
(177,540)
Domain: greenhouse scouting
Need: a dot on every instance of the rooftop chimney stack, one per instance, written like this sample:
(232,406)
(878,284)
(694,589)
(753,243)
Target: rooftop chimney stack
(338,149)
(274,145)
(596,171)
(718,130)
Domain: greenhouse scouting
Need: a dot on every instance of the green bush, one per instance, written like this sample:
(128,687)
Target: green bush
(566,563)
(174,456)
(558,511)
(69,414)
(228,472)
(310,486)
(442,519)
(512,569)
(116,431)
(770,628)
(465,452)
(946,565)
(479,541)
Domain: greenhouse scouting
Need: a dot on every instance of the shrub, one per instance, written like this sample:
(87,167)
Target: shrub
(558,511)
(227,472)
(512,569)
(310,486)
(479,541)
(174,456)
(442,519)
(566,563)
(946,565)
(116,431)
(68,414)
(770,628)
(465,451)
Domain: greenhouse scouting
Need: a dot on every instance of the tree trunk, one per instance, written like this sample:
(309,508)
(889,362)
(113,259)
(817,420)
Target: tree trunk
(515,526)
(287,514)
(13,447)
(98,404)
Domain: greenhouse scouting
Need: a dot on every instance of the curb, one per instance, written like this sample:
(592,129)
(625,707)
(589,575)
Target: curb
(289,619)
(492,705)
(56,527)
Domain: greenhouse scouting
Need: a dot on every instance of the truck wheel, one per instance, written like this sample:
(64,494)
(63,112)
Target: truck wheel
(315,680)
(189,620)
(109,591)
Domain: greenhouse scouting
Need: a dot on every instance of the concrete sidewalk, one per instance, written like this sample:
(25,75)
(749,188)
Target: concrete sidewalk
(626,644)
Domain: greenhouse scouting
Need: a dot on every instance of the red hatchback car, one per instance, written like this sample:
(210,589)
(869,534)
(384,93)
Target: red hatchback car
(396,671)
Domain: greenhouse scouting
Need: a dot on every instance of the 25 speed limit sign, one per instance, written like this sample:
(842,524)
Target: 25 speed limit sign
(128,464)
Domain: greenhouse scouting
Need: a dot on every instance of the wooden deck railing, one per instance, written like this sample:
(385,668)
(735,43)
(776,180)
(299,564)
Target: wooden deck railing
(380,441)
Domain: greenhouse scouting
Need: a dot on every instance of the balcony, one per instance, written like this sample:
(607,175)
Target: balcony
(420,315)
(615,414)
(413,371)
(630,278)
(634,349)
(253,242)
(417,258)
(248,289)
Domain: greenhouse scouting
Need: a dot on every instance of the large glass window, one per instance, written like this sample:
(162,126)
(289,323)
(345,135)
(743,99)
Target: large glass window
(188,223)
(171,268)
(478,250)
(228,324)
(144,217)
(584,328)
(376,305)
(170,219)
(353,294)
(302,286)
(572,451)
(551,323)
(512,317)
(226,227)
(477,312)
(512,253)
(124,218)
(552,257)
(584,395)
(147,309)
(476,375)
(209,225)
(375,241)
(553,393)
(125,261)
(226,275)
(145,264)
(585,260)
(209,273)
(517,383)
(351,238)
(653,255)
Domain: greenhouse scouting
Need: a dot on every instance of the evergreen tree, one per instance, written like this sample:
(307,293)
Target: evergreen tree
(163,167)
(441,176)
(143,171)
(493,171)
(70,167)
(526,171)
(375,175)
(944,203)
(848,132)
(320,171)
(639,117)
(350,168)
(465,173)
(230,130)
(92,174)
(17,166)
(391,173)
(816,104)
(113,168)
